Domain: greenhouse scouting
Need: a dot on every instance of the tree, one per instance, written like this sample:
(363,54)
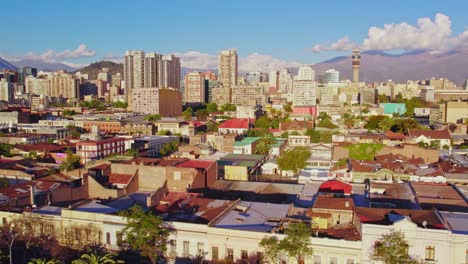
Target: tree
(168,148)
(4,182)
(272,248)
(288,107)
(67,112)
(188,113)
(163,132)
(228,107)
(201,114)
(212,127)
(5,149)
(212,107)
(297,241)
(71,162)
(349,122)
(294,159)
(264,145)
(95,258)
(314,135)
(263,122)
(132,153)
(119,104)
(31,155)
(145,232)
(8,235)
(296,244)
(392,248)
(154,117)
(44,261)
(326,123)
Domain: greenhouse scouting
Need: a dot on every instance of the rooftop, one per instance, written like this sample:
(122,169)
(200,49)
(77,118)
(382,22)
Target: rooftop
(433,134)
(236,123)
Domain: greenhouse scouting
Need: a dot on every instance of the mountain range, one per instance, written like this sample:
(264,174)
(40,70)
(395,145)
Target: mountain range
(376,66)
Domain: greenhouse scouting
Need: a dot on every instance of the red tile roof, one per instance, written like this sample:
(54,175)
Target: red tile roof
(394,136)
(324,202)
(236,123)
(433,134)
(198,164)
(40,147)
(335,186)
(120,178)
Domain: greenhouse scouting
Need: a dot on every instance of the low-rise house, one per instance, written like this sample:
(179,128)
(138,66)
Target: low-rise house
(98,149)
(391,195)
(239,167)
(235,125)
(443,197)
(434,138)
(222,142)
(331,211)
(152,145)
(246,145)
(296,126)
(139,128)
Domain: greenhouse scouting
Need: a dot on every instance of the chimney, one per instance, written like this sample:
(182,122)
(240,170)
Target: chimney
(31,195)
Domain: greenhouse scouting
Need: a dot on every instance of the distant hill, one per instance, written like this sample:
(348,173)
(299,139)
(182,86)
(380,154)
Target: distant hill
(378,66)
(94,68)
(6,65)
(43,65)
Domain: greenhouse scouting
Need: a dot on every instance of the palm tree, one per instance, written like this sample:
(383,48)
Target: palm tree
(93,258)
(43,261)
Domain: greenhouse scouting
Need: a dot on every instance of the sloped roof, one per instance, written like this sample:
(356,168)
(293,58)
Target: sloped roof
(236,123)
(432,134)
(335,186)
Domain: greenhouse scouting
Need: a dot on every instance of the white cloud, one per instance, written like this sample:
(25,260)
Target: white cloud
(433,35)
(198,60)
(341,44)
(264,63)
(253,62)
(82,51)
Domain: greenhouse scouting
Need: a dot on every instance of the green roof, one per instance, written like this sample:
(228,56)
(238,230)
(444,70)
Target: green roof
(278,142)
(241,157)
(246,141)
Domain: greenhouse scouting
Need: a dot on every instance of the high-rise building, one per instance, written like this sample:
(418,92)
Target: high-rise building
(64,85)
(331,76)
(133,72)
(152,60)
(273,79)
(285,81)
(195,87)
(228,70)
(255,77)
(169,72)
(22,74)
(356,58)
(117,80)
(162,101)
(306,73)
(7,90)
(305,93)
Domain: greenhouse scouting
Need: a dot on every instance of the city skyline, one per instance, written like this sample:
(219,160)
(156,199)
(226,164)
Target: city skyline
(309,35)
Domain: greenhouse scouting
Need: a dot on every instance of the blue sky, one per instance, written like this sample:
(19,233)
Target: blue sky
(286,30)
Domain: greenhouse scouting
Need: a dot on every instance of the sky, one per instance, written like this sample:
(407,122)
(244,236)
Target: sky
(266,34)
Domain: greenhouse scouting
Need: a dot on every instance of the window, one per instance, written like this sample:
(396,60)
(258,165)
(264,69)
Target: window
(244,254)
(430,253)
(333,260)
(317,259)
(349,261)
(186,253)
(230,254)
(177,175)
(214,253)
(172,248)
(108,238)
(200,248)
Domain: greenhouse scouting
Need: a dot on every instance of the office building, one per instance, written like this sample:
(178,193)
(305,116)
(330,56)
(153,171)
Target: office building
(305,73)
(285,81)
(162,101)
(331,76)
(151,67)
(255,77)
(304,93)
(228,70)
(169,72)
(273,79)
(133,72)
(7,90)
(195,87)
(116,80)
(23,73)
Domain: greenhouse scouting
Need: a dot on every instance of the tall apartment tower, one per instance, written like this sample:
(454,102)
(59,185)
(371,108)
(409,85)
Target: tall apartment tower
(134,68)
(228,70)
(169,72)
(195,87)
(151,78)
(356,56)
(306,73)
